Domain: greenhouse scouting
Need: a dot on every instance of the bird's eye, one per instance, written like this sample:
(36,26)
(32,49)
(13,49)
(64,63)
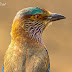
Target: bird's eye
(37,16)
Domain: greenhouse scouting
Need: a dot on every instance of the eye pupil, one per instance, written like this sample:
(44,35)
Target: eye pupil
(37,16)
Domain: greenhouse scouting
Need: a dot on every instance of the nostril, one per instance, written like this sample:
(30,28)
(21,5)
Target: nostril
(49,17)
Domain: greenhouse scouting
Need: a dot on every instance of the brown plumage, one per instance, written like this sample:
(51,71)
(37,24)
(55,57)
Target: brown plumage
(26,52)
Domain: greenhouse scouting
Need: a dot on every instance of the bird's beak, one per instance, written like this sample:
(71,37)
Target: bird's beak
(55,17)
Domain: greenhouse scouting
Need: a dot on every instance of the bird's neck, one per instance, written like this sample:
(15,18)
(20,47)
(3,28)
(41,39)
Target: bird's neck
(35,35)
(19,34)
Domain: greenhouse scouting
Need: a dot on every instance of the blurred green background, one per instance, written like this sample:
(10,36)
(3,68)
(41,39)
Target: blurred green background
(57,37)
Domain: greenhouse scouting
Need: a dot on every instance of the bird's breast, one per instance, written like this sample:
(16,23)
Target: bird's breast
(18,57)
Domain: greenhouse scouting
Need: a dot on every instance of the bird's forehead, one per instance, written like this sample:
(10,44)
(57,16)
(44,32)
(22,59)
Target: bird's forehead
(30,11)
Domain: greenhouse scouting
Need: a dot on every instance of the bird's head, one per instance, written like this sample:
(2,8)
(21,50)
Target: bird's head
(33,20)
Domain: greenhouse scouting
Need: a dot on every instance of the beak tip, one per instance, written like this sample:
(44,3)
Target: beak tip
(63,17)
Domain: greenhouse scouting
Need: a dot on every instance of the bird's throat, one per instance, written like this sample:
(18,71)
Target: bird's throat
(22,36)
(23,33)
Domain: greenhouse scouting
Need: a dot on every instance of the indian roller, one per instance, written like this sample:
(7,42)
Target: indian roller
(27,52)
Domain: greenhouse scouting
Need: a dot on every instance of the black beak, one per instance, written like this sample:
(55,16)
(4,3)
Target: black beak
(55,17)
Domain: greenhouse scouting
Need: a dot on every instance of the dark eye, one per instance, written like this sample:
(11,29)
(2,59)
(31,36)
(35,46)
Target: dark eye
(37,16)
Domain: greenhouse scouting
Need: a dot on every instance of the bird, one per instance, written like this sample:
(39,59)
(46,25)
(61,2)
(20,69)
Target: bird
(27,51)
